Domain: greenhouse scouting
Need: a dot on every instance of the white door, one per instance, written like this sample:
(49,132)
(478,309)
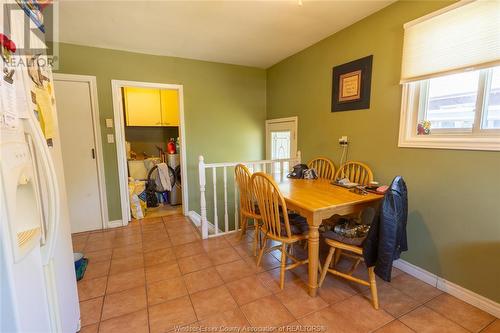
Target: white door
(75,115)
(281,138)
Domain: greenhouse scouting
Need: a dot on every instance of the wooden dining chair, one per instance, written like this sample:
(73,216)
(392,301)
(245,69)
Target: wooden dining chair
(248,209)
(277,224)
(354,251)
(356,172)
(323,166)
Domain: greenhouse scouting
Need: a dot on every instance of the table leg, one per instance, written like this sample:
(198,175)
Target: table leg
(313,247)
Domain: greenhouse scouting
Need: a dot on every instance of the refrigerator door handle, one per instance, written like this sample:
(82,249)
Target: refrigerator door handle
(48,170)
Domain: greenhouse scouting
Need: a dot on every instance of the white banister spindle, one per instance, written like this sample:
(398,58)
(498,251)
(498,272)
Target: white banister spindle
(299,157)
(203,202)
(226,216)
(236,217)
(216,217)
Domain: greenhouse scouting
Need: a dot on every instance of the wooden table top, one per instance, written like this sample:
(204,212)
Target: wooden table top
(317,195)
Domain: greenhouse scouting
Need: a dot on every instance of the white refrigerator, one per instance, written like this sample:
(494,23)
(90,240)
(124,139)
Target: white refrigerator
(37,276)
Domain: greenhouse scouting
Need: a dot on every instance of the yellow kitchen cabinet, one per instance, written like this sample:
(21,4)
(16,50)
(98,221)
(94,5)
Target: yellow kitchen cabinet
(142,106)
(169,107)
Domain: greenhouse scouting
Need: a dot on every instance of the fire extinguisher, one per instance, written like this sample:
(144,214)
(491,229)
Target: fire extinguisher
(171,146)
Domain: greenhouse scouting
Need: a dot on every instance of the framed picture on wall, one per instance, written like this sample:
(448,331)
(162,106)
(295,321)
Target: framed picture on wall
(351,85)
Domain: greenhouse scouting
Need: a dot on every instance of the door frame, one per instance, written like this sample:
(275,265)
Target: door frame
(294,125)
(101,180)
(121,154)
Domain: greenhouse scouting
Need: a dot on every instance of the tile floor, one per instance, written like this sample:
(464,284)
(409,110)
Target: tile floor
(156,275)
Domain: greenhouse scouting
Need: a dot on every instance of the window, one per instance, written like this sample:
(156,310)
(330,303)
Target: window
(451,79)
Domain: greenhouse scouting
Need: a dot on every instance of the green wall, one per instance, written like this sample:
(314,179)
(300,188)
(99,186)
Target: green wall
(224,106)
(454,195)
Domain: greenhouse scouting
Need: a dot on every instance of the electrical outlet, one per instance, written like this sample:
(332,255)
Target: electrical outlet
(343,140)
(111,138)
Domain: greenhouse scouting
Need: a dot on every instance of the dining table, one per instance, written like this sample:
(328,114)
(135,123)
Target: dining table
(317,200)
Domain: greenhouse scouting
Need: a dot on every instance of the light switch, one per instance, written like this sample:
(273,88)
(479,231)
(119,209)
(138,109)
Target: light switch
(111,138)
(109,123)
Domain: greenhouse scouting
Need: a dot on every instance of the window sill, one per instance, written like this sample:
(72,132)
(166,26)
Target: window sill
(460,143)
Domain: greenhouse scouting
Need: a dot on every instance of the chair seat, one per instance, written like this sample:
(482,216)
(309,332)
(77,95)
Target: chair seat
(298,225)
(357,241)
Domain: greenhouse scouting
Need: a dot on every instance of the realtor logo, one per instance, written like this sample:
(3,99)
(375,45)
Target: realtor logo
(27,26)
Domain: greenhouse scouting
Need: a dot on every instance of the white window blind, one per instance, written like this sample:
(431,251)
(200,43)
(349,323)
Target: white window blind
(460,37)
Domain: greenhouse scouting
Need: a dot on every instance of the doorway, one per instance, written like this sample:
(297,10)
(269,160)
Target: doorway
(77,112)
(281,138)
(149,134)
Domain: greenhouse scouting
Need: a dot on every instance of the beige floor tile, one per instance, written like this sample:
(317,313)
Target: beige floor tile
(126,264)
(124,302)
(493,327)
(271,279)
(98,256)
(166,290)
(244,249)
(136,322)
(184,238)
(159,256)
(194,263)
(267,311)
(297,300)
(268,262)
(247,290)
(178,229)
(395,327)
(127,251)
(90,311)
(234,270)
(215,244)
(201,280)
(101,236)
(128,240)
(156,245)
(224,255)
(334,290)
(163,271)
(210,301)
(151,220)
(426,320)
(393,300)
(166,316)
(96,269)
(152,228)
(126,280)
(98,245)
(354,314)
(152,236)
(189,249)
(466,315)
(418,290)
(90,329)
(230,318)
(92,288)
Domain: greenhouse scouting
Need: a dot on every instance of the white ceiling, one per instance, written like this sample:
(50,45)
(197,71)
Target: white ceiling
(252,33)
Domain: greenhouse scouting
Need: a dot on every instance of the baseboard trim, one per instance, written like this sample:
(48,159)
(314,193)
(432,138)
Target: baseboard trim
(115,224)
(451,288)
(196,219)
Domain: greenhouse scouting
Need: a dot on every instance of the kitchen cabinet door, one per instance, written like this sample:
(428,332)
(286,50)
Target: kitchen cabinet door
(169,107)
(142,106)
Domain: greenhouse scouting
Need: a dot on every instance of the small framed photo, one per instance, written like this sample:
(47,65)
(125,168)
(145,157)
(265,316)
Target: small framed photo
(351,85)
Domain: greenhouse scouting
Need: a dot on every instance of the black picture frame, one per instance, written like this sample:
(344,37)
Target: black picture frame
(355,78)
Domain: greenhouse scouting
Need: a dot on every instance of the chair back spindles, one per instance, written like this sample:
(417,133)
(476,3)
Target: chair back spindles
(323,166)
(242,175)
(356,172)
(271,203)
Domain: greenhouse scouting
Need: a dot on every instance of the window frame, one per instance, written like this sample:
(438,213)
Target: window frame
(414,95)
